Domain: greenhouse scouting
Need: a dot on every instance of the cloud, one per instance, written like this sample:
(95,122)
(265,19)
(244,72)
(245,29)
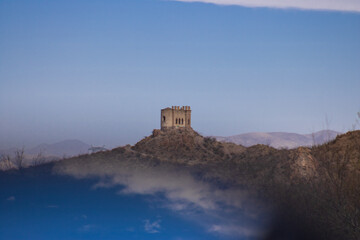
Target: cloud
(235,230)
(11,198)
(192,198)
(152,227)
(180,187)
(87,228)
(52,206)
(330,5)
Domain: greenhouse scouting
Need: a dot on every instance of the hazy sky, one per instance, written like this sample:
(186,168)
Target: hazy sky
(100,71)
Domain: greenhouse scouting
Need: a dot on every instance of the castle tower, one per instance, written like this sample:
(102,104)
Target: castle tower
(176,117)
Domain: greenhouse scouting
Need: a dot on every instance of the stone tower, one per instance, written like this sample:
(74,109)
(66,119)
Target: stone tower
(176,117)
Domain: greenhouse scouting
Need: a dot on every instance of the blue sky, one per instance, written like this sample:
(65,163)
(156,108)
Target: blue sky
(100,71)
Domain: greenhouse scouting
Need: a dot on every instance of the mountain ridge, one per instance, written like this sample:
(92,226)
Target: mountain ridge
(67,148)
(281,139)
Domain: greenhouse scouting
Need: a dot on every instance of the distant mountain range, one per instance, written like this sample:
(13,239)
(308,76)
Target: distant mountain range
(281,139)
(65,148)
(69,148)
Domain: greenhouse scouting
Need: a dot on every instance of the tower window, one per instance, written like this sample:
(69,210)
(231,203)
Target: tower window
(176,121)
(182,121)
(164,118)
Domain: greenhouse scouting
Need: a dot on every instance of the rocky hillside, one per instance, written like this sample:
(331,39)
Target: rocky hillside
(251,164)
(186,146)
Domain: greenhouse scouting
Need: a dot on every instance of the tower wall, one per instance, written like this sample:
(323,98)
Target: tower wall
(176,117)
(188,117)
(166,118)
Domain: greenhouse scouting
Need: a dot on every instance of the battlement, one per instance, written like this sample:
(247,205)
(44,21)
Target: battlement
(180,108)
(176,117)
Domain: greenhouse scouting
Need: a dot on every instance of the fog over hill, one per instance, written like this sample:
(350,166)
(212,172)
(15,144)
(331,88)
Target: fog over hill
(281,139)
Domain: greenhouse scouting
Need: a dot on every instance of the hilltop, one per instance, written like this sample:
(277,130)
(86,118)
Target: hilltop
(186,146)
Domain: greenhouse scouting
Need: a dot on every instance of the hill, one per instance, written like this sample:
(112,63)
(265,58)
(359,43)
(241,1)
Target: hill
(316,188)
